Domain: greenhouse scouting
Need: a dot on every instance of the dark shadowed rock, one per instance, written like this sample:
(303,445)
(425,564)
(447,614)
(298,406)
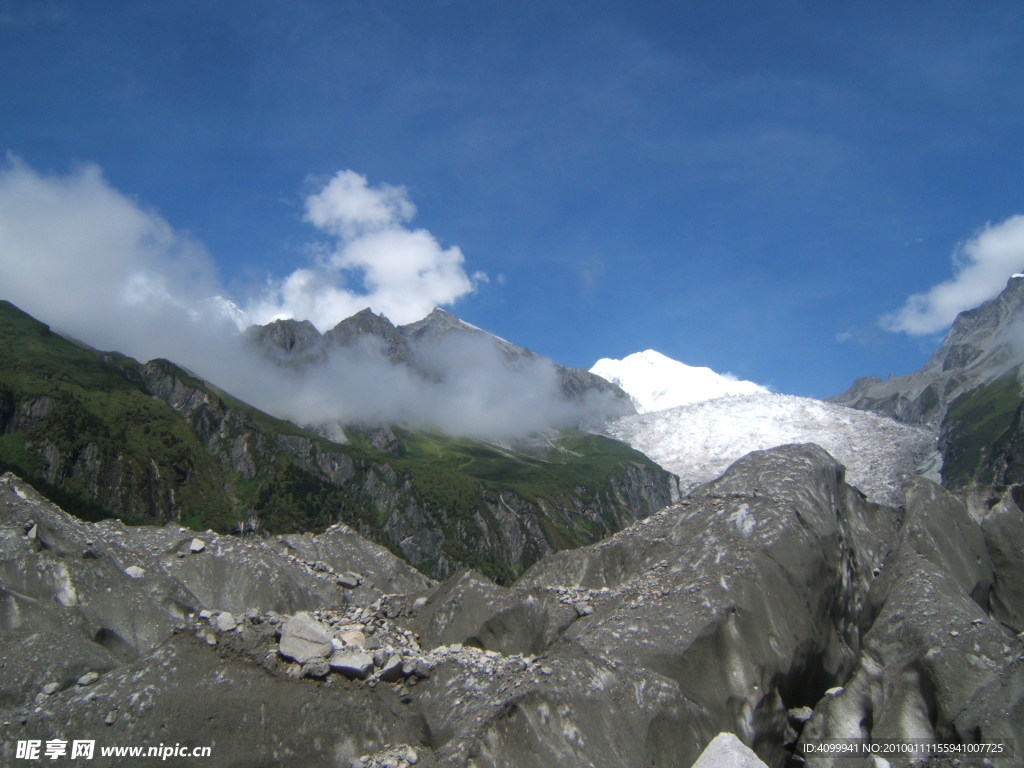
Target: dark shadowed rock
(469,609)
(1000,513)
(938,526)
(934,665)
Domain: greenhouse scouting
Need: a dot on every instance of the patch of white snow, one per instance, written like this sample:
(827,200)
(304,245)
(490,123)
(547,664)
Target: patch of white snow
(655,382)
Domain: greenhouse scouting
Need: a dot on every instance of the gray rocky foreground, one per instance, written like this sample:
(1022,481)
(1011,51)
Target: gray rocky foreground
(775,604)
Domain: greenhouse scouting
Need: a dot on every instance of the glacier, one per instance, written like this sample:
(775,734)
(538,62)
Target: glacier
(699,441)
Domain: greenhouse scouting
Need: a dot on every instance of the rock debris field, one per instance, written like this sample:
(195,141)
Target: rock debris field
(773,605)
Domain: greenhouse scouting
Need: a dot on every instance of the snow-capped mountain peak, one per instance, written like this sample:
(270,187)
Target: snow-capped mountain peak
(654,381)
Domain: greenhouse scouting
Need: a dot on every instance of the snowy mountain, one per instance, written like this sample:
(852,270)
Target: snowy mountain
(699,441)
(655,382)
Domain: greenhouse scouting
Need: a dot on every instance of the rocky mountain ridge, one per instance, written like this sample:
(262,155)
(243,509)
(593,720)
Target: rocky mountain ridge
(416,345)
(982,345)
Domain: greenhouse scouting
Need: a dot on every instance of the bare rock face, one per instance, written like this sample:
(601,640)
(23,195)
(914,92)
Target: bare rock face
(934,663)
(747,595)
(939,527)
(470,610)
(1000,513)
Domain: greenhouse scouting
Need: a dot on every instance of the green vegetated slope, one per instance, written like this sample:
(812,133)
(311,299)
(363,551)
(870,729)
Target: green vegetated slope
(107,436)
(556,494)
(80,426)
(978,432)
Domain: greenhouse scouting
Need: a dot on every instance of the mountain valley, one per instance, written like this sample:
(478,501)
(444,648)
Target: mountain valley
(180,567)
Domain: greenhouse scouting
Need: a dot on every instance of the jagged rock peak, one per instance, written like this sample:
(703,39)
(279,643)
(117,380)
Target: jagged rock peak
(983,344)
(438,318)
(365,318)
(440,323)
(287,334)
(982,332)
(366,325)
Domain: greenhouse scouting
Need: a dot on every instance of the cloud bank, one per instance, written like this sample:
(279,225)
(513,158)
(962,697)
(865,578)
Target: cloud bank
(96,265)
(404,272)
(460,384)
(92,262)
(983,265)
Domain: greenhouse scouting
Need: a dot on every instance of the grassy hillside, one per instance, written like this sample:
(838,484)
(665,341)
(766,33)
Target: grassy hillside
(78,425)
(977,421)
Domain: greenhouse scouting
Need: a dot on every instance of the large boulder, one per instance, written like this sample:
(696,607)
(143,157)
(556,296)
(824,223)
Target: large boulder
(304,639)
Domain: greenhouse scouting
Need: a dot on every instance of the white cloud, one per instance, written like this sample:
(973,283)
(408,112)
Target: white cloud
(96,265)
(983,265)
(399,271)
(89,260)
(347,206)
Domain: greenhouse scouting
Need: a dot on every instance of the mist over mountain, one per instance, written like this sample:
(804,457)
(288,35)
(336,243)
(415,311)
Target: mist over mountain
(436,373)
(151,442)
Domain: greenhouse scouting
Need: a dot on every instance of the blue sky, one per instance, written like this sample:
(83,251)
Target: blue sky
(747,186)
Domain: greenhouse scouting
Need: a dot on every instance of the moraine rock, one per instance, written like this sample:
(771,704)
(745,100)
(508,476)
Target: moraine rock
(316,668)
(775,603)
(726,751)
(304,639)
(352,637)
(355,664)
(932,666)
(391,669)
(1000,513)
(472,610)
(780,523)
(350,580)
